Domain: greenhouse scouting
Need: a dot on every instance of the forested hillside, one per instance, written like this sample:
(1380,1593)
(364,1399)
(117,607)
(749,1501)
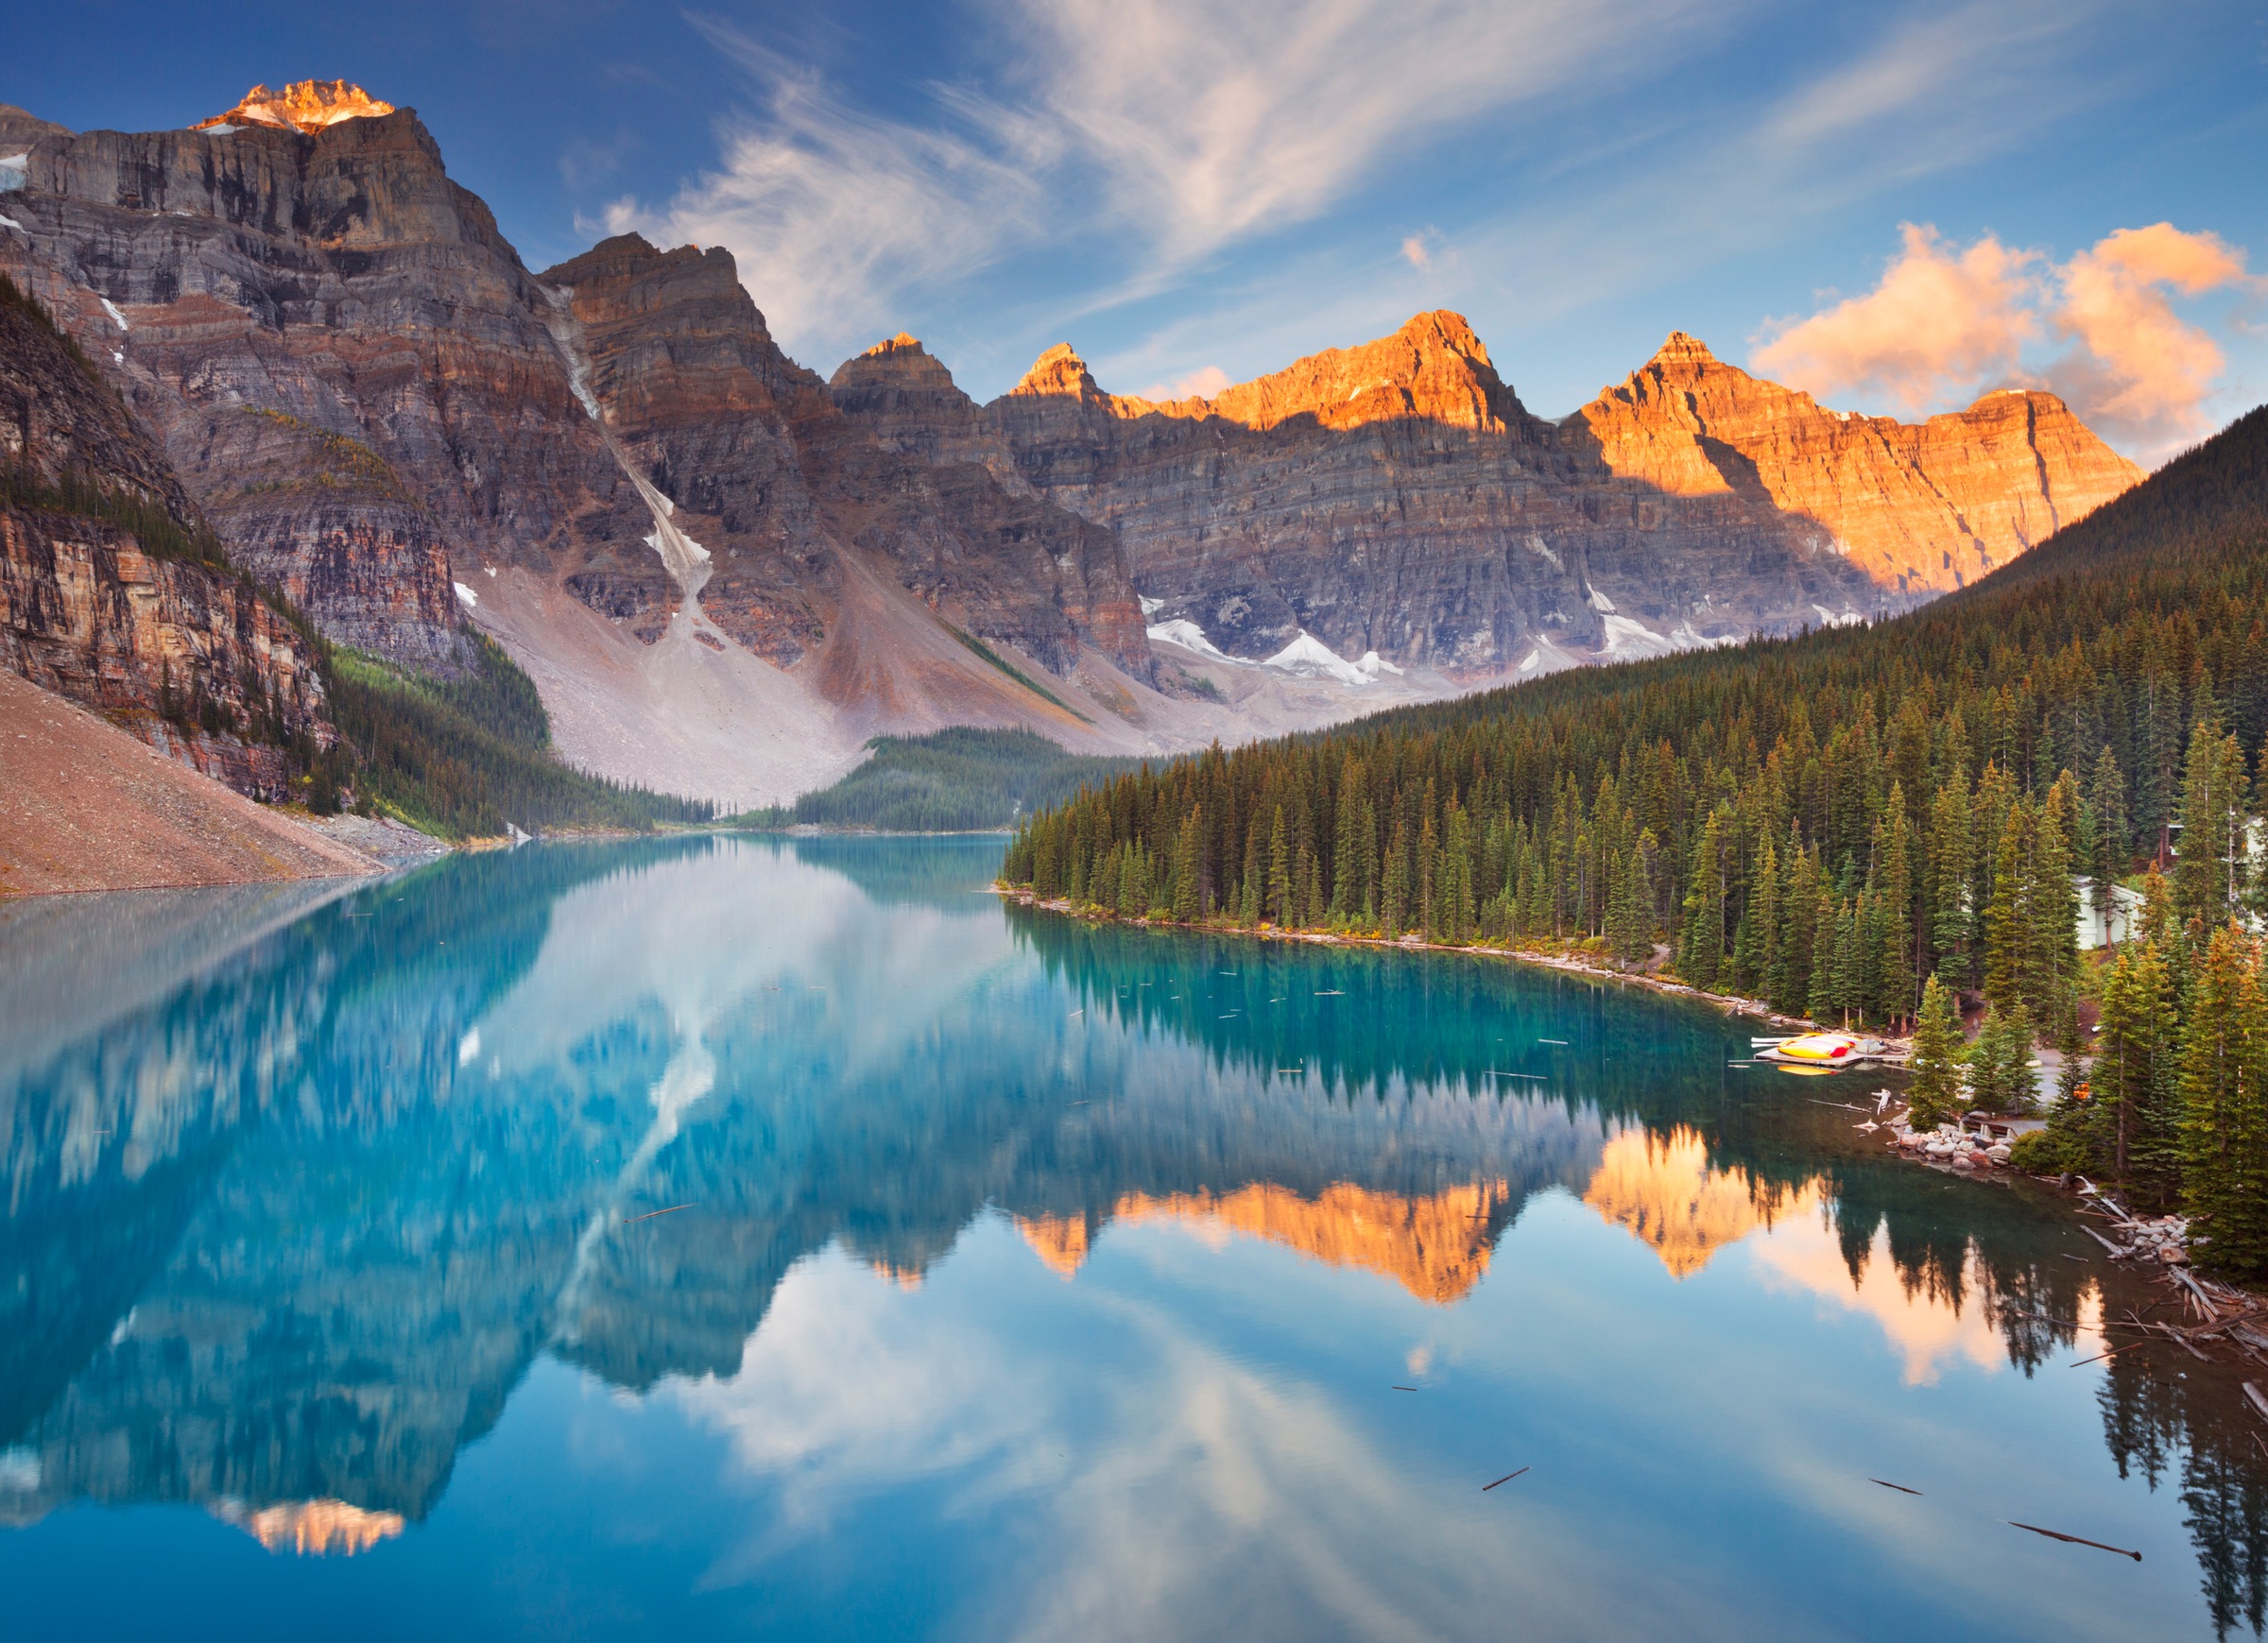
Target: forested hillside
(464,757)
(953,781)
(1824,822)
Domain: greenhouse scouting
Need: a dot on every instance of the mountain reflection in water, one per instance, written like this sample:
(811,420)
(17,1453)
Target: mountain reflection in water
(304,1189)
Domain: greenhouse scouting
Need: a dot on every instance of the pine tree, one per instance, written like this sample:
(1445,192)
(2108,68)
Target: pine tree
(2211,866)
(1950,869)
(2225,1116)
(2106,862)
(1279,873)
(2052,910)
(2001,1077)
(2007,915)
(1429,870)
(1823,996)
(1346,843)
(2135,1129)
(1760,961)
(1188,857)
(1394,894)
(1454,892)
(1701,951)
(1936,1095)
(1896,955)
(1133,883)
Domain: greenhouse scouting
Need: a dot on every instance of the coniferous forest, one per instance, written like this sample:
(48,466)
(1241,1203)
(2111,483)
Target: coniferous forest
(952,780)
(1846,824)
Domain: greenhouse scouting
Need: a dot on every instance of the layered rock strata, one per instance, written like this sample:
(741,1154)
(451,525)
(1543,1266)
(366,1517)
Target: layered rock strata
(1398,497)
(769,476)
(179,651)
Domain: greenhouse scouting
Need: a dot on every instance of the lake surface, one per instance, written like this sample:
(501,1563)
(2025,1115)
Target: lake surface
(729,1238)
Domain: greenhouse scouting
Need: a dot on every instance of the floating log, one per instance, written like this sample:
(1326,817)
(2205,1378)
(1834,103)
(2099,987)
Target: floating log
(2074,1539)
(2260,1401)
(651,1213)
(1505,1478)
(1899,1487)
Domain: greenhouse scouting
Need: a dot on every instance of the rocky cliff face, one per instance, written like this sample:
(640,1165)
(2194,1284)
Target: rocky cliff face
(103,596)
(1395,497)
(1920,509)
(771,478)
(1398,497)
(614,466)
(341,280)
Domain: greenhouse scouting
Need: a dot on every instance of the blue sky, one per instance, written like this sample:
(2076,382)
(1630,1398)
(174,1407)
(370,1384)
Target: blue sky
(1192,193)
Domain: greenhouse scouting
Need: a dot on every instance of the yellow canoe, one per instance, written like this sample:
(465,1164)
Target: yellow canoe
(1820,1048)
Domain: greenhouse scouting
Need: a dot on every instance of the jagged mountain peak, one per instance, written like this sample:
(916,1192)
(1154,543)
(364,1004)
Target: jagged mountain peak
(1059,370)
(302,106)
(1682,348)
(897,366)
(1447,326)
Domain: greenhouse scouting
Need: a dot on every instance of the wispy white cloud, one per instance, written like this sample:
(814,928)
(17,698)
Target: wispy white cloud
(1945,324)
(1210,123)
(832,213)
(1672,187)
(1169,129)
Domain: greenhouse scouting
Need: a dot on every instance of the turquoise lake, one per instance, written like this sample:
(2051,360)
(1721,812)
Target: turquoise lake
(733,1237)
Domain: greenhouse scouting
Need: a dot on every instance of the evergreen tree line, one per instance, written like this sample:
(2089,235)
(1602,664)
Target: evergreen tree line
(460,758)
(952,780)
(1829,876)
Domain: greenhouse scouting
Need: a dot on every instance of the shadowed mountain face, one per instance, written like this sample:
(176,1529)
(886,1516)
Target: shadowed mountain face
(298,1195)
(719,583)
(109,597)
(1398,497)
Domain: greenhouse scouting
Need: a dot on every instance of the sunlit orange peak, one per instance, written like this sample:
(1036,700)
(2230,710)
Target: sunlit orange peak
(319,1528)
(1058,1240)
(1436,1247)
(302,106)
(1662,1190)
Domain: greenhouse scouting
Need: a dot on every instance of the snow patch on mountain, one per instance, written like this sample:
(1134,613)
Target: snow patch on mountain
(1545,658)
(1310,658)
(15,171)
(1189,636)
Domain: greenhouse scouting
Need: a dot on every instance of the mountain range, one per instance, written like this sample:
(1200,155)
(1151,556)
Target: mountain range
(723,574)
